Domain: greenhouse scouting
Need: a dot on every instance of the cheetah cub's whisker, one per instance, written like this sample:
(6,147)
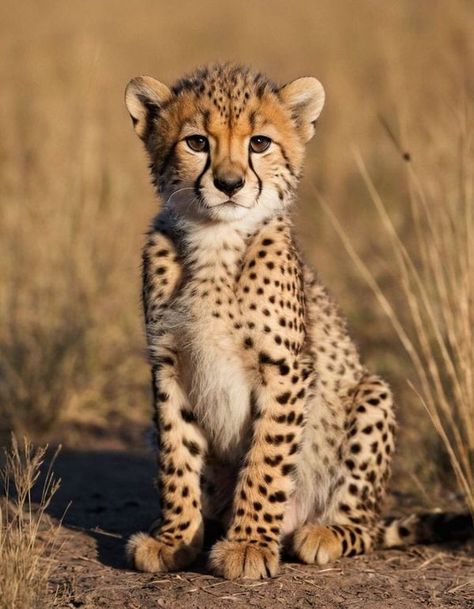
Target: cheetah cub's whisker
(266,417)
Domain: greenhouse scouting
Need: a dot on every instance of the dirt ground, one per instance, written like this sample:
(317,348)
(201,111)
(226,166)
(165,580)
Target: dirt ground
(110,495)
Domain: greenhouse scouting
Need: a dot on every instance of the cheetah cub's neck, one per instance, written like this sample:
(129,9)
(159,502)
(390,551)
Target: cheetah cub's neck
(207,245)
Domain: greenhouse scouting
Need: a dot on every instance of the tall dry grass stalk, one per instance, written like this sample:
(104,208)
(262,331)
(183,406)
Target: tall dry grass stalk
(28,541)
(435,273)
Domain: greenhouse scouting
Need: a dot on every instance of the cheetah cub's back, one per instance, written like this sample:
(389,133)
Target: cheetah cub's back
(267,420)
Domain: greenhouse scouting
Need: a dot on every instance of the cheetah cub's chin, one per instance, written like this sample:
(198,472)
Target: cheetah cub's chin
(267,420)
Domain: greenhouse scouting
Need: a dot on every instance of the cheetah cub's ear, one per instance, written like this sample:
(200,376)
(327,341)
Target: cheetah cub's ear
(144,96)
(305,98)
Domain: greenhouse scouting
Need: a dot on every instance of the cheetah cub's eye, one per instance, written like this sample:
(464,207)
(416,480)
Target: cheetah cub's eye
(198,143)
(259,143)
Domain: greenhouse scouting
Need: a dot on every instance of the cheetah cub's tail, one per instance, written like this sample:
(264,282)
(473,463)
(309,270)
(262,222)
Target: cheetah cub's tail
(423,528)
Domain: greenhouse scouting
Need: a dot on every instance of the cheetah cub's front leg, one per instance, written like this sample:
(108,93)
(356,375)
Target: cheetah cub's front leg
(177,538)
(252,546)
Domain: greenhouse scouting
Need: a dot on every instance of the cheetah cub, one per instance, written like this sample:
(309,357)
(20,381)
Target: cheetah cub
(267,420)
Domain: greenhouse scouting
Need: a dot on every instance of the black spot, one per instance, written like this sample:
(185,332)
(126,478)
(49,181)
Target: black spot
(273,461)
(192,446)
(187,415)
(283,398)
(284,369)
(294,448)
(287,468)
(248,342)
(371,476)
(164,361)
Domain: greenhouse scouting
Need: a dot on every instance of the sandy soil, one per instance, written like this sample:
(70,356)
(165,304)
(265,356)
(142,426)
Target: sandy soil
(112,495)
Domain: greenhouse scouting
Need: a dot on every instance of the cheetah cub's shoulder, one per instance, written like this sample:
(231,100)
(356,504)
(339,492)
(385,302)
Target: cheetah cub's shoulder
(266,418)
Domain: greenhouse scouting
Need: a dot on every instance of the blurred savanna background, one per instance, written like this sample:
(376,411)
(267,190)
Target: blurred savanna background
(76,198)
(385,210)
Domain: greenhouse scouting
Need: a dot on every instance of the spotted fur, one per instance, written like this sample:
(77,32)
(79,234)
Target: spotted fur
(267,419)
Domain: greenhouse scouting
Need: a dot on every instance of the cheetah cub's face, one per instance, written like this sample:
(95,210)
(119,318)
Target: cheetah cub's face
(224,142)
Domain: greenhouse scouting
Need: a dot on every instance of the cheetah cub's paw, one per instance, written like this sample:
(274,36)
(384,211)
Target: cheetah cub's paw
(243,559)
(153,555)
(316,544)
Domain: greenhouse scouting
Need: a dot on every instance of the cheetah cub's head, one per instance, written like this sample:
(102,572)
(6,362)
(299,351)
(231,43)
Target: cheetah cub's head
(225,142)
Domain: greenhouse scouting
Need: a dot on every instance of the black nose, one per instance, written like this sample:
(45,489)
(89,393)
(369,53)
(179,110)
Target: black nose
(229,184)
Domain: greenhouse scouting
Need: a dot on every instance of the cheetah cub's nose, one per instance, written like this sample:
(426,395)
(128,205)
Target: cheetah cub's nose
(229,183)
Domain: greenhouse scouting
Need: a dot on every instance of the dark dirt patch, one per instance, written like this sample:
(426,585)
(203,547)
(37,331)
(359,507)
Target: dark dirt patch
(112,496)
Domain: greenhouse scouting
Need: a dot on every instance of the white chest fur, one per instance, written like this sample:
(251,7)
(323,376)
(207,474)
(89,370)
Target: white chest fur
(203,319)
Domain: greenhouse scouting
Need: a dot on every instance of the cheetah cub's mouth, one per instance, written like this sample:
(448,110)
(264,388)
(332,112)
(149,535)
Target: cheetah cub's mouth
(225,143)
(231,203)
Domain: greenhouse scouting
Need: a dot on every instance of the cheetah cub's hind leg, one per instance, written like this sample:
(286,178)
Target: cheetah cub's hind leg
(350,523)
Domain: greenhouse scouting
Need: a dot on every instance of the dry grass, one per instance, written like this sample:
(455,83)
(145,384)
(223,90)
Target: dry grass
(75,199)
(28,541)
(435,273)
